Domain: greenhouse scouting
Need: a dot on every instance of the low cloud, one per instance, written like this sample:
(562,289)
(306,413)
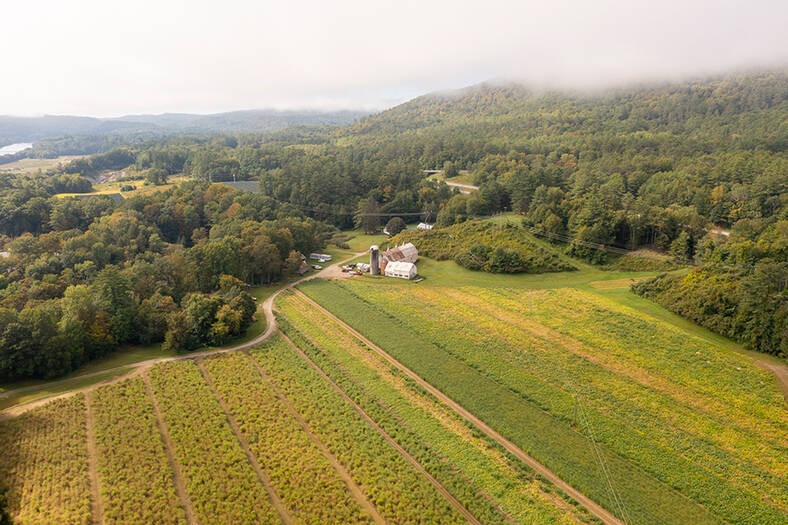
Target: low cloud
(103,58)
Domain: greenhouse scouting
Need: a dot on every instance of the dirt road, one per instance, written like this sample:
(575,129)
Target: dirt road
(781,371)
(331,272)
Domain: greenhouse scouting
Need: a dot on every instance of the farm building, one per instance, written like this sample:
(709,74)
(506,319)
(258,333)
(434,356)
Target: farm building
(320,257)
(401,270)
(379,262)
(374,260)
(424,226)
(406,253)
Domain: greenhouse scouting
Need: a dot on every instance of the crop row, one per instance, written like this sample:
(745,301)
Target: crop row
(642,411)
(399,492)
(630,341)
(302,476)
(470,466)
(44,463)
(640,363)
(136,480)
(220,481)
(456,362)
(639,422)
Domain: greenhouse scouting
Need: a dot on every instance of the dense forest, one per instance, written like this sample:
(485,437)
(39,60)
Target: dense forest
(82,276)
(669,168)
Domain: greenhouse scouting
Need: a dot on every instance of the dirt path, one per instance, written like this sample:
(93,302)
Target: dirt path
(404,453)
(96,504)
(276,501)
(354,489)
(332,272)
(21,409)
(169,449)
(593,507)
(781,371)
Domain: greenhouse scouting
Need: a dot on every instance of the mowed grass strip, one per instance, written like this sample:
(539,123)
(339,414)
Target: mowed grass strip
(400,493)
(474,468)
(44,463)
(549,439)
(137,484)
(221,483)
(301,475)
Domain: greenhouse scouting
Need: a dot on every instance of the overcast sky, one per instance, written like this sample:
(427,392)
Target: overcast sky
(109,57)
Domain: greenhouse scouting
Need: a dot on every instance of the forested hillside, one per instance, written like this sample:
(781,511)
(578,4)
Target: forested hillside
(671,168)
(129,128)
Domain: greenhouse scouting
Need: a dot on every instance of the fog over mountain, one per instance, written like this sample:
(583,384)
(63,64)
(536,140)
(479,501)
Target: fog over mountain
(110,59)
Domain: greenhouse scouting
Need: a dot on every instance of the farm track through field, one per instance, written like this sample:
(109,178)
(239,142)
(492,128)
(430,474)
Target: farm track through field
(404,453)
(169,449)
(332,272)
(781,371)
(593,507)
(276,501)
(354,489)
(97,514)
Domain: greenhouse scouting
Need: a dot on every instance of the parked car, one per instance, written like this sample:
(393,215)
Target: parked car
(317,267)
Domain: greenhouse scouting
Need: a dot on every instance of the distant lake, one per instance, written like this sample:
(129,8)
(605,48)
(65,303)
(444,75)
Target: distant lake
(15,148)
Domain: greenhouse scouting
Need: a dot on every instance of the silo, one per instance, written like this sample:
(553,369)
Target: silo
(374,263)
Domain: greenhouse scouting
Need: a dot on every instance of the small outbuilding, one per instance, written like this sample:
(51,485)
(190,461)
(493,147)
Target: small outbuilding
(401,270)
(424,226)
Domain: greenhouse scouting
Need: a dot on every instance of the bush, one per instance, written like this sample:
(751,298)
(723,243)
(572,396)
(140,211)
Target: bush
(749,306)
(477,246)
(395,225)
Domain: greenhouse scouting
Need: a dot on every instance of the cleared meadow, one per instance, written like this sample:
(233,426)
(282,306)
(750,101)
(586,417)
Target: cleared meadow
(667,428)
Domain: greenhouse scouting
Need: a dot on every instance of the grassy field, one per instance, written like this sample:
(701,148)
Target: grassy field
(35,165)
(357,242)
(140,187)
(464,177)
(686,432)
(40,390)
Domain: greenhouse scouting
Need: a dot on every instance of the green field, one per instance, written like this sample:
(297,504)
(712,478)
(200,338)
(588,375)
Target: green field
(35,165)
(688,433)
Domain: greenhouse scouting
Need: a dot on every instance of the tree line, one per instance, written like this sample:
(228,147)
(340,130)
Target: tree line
(171,267)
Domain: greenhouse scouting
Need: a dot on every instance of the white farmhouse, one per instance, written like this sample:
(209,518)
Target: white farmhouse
(401,270)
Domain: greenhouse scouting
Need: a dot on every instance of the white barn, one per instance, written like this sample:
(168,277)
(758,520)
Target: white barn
(405,252)
(401,270)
